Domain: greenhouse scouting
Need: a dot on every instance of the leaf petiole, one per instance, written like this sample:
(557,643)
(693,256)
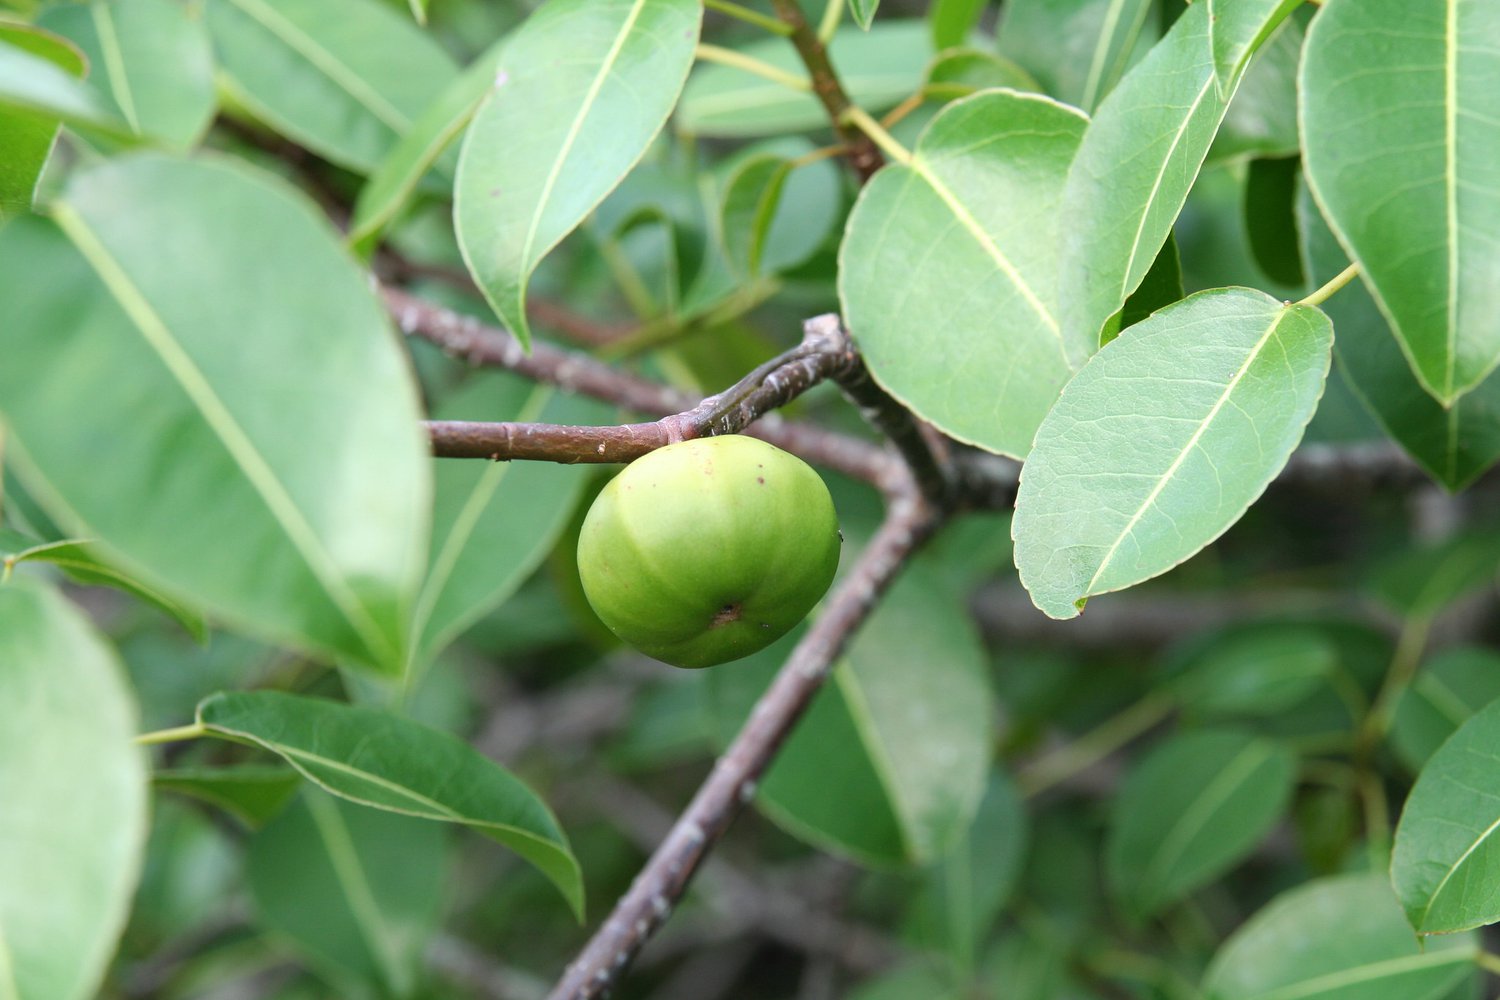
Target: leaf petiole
(173,735)
(1334,284)
(742,13)
(750,64)
(859,117)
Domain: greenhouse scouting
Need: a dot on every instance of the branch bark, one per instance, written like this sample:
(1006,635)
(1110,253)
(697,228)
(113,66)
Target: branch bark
(864,156)
(480,344)
(910,520)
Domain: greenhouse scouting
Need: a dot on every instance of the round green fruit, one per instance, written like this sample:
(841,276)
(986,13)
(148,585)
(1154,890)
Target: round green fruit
(708,550)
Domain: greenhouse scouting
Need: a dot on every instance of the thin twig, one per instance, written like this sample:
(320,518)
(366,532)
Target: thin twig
(909,521)
(480,344)
(771,385)
(863,154)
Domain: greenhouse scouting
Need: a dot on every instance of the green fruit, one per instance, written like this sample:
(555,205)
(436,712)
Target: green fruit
(708,550)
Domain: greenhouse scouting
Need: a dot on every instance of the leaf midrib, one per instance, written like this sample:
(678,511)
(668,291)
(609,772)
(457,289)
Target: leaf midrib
(992,250)
(554,172)
(1365,973)
(262,478)
(1187,448)
(346,78)
(302,759)
(1191,822)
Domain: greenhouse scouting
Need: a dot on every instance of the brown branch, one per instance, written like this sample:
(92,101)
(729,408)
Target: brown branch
(864,156)
(909,522)
(928,459)
(480,344)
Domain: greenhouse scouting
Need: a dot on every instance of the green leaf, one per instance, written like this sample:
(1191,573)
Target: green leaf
(947,270)
(1455,444)
(74,822)
(357,891)
(960,72)
(877,68)
(153,58)
(1262,118)
(1402,164)
(890,763)
(1078,49)
(1255,673)
(494,522)
(959,898)
(1193,808)
(392,184)
(776,213)
(1141,154)
(345,78)
(40,87)
(1270,219)
(584,88)
(953,20)
(1338,938)
(254,794)
(1423,582)
(1451,688)
(864,11)
(1446,863)
(1163,440)
(284,489)
(79,561)
(27,138)
(380,760)
(1161,286)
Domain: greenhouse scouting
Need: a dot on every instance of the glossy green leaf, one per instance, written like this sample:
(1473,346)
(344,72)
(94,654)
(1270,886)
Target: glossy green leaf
(392,763)
(1455,444)
(1161,286)
(494,522)
(1454,685)
(357,891)
(152,57)
(1193,808)
(282,486)
(392,184)
(952,21)
(1404,165)
(1338,938)
(1423,582)
(1271,220)
(1446,863)
(1078,49)
(36,85)
(1163,440)
(1258,672)
(776,213)
(906,982)
(890,763)
(73,826)
(82,564)
(877,68)
(345,78)
(26,137)
(1262,118)
(959,898)
(957,73)
(947,269)
(1141,155)
(253,793)
(864,11)
(584,87)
